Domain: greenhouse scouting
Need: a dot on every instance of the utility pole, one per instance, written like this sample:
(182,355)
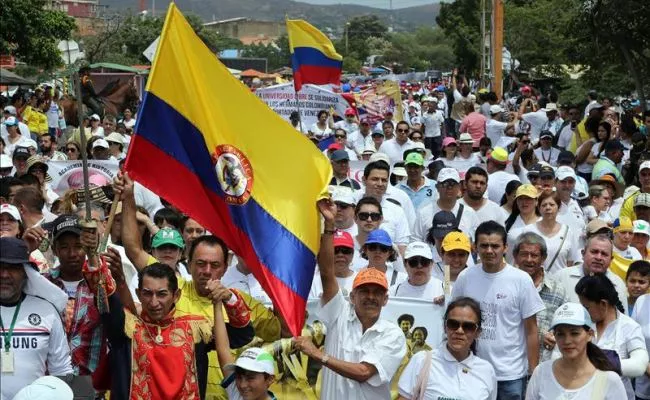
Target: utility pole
(482,80)
(347,30)
(497,47)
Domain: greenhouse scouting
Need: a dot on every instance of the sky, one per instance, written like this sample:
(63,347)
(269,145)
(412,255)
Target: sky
(374,3)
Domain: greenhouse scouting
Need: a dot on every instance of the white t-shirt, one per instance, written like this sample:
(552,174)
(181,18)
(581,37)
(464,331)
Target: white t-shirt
(321,133)
(536,119)
(345,285)
(428,291)
(623,335)
(585,167)
(432,123)
(39,345)
(565,137)
(569,278)
(590,213)
(489,211)
(549,156)
(382,345)
(70,287)
(394,150)
(471,379)
(494,130)
(468,221)
(130,123)
(463,164)
(631,253)
(497,182)
(544,386)
(248,284)
(641,314)
(507,298)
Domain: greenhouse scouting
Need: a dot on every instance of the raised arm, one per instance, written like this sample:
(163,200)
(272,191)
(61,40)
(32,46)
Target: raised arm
(326,254)
(130,237)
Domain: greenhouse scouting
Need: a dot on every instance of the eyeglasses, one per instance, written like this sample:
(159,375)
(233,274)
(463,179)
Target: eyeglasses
(416,138)
(374,216)
(418,262)
(468,327)
(343,250)
(448,184)
(378,247)
(340,136)
(70,150)
(342,206)
(403,130)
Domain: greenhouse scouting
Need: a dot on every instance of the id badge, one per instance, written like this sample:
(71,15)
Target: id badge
(7,361)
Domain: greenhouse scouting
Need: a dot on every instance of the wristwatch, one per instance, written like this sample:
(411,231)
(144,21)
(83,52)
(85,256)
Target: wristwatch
(325,359)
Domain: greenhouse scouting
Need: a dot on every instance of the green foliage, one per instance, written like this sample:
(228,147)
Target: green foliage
(277,53)
(31,33)
(461,21)
(137,33)
(359,30)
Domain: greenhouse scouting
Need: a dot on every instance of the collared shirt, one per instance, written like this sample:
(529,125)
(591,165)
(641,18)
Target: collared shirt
(383,345)
(423,195)
(569,277)
(394,150)
(553,295)
(470,379)
(82,325)
(606,166)
(233,278)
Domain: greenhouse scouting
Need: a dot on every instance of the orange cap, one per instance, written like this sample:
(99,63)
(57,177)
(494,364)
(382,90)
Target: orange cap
(370,275)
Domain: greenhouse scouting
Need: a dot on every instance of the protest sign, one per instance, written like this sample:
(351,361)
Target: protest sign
(69,174)
(312,98)
(378,99)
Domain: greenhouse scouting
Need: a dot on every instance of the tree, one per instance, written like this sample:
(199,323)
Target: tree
(30,32)
(137,33)
(359,29)
(460,21)
(276,53)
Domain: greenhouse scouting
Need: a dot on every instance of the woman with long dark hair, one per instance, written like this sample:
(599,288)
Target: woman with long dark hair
(451,371)
(508,199)
(524,210)
(617,333)
(583,372)
(603,135)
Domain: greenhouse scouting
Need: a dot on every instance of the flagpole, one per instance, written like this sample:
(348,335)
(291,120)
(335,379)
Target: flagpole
(298,108)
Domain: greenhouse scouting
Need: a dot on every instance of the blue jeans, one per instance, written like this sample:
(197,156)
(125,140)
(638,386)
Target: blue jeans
(512,390)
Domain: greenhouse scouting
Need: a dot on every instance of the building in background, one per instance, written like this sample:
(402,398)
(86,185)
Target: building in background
(249,31)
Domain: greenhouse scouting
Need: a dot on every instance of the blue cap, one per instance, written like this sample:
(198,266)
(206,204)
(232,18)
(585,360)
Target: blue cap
(441,88)
(379,236)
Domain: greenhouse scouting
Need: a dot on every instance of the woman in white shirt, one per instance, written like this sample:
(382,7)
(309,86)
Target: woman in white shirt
(524,210)
(418,260)
(561,242)
(321,129)
(454,250)
(95,126)
(615,331)
(602,137)
(449,149)
(508,199)
(584,371)
(641,314)
(583,167)
(465,158)
(451,371)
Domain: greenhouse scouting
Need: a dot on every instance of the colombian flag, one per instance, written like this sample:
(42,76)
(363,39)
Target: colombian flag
(313,57)
(209,146)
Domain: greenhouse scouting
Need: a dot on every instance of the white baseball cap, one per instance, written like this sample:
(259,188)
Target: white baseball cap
(100,143)
(495,109)
(115,137)
(415,249)
(343,194)
(446,174)
(31,143)
(257,360)
(644,165)
(399,171)
(572,314)
(11,110)
(641,226)
(7,208)
(95,117)
(565,172)
(5,161)
(46,387)
(379,157)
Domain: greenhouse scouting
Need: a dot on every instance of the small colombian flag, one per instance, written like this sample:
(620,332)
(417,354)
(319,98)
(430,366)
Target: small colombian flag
(313,57)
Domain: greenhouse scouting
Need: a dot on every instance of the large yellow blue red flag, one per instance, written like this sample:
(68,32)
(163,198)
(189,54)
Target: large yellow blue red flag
(209,146)
(313,57)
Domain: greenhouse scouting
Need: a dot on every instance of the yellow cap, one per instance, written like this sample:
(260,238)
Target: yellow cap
(500,155)
(527,190)
(456,241)
(623,224)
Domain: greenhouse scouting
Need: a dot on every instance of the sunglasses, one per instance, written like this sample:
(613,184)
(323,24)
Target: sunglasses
(343,250)
(403,130)
(342,206)
(448,184)
(70,150)
(378,247)
(340,136)
(468,327)
(417,262)
(374,216)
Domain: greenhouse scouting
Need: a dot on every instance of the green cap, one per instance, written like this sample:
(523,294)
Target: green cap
(167,236)
(414,158)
